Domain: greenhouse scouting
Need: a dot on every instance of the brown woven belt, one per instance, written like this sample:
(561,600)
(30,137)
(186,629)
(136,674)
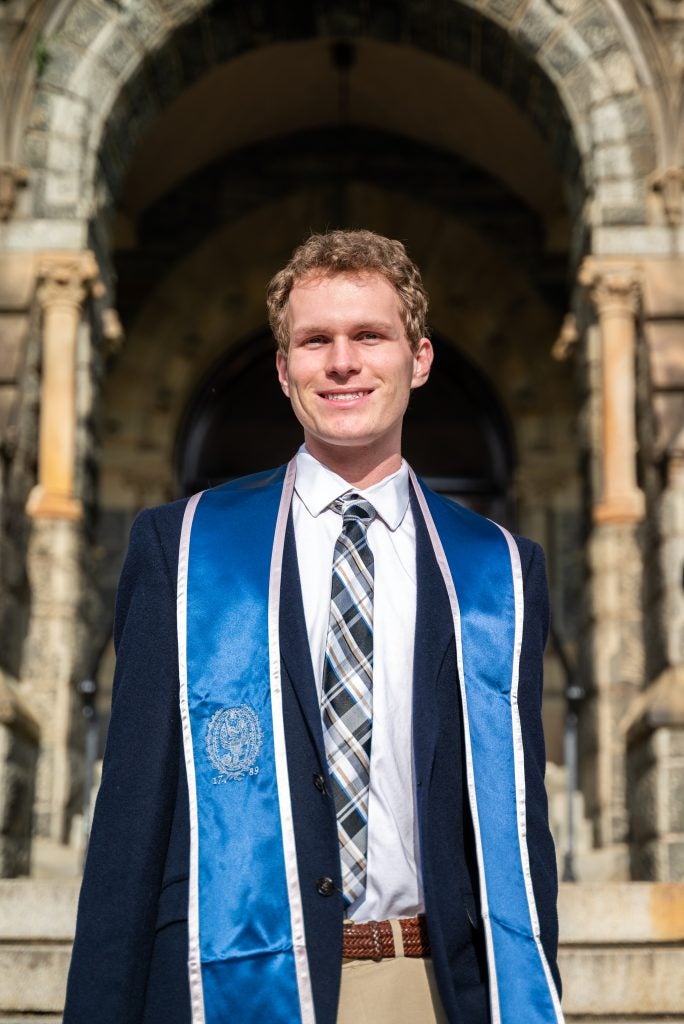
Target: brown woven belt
(373,940)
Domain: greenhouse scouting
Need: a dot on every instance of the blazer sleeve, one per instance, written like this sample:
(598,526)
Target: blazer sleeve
(539,841)
(132,819)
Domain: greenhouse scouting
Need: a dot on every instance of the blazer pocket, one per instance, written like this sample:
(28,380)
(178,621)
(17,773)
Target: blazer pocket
(472,910)
(173,903)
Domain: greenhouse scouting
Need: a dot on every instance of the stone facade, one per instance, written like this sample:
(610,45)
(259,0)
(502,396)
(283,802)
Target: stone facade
(158,161)
(19,743)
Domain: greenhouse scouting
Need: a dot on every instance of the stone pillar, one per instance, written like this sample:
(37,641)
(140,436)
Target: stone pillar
(66,280)
(614,618)
(655,722)
(614,291)
(56,647)
(655,738)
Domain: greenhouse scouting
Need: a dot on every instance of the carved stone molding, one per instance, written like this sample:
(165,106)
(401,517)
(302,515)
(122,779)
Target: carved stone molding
(112,330)
(669,185)
(12,178)
(615,290)
(566,342)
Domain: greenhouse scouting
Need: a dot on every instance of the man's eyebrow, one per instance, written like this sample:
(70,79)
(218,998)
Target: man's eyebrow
(381,326)
(375,325)
(307,331)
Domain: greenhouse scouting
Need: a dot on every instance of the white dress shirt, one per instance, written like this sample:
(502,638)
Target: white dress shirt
(393,886)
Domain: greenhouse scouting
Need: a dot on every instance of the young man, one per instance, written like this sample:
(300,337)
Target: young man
(323,794)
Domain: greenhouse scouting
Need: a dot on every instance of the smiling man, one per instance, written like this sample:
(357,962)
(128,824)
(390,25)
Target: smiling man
(322,797)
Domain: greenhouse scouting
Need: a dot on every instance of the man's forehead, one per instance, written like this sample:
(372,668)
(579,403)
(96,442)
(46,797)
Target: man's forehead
(366,286)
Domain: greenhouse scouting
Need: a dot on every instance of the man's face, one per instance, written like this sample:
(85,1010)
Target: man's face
(349,369)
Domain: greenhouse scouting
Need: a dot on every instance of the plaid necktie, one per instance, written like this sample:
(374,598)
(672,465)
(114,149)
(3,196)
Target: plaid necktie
(347,699)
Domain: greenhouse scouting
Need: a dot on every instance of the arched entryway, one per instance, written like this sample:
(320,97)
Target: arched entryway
(204,144)
(488,215)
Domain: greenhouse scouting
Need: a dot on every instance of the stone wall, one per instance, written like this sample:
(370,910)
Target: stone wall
(654,724)
(19,403)
(19,746)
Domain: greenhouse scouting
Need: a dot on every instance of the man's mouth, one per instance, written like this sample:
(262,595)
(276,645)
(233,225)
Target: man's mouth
(344,396)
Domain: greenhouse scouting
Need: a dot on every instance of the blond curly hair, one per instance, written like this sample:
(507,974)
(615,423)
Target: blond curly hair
(339,252)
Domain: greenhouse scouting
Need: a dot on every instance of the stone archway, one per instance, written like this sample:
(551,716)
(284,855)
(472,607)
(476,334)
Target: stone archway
(550,58)
(578,76)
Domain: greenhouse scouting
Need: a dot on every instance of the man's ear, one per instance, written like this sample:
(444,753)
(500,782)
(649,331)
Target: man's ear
(422,361)
(281,367)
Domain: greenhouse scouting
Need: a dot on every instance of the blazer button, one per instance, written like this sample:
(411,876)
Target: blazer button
(325,886)
(319,782)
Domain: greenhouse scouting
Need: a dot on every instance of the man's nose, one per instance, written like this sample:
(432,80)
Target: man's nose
(343,357)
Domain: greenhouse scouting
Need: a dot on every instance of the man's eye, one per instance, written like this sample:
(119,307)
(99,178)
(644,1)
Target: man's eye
(314,341)
(370,336)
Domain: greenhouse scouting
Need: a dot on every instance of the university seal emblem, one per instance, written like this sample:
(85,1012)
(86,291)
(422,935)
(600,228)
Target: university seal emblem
(233,742)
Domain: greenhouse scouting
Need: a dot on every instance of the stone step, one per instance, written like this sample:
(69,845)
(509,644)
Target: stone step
(33,977)
(621,958)
(622,952)
(604,983)
(38,909)
(621,914)
(30,1018)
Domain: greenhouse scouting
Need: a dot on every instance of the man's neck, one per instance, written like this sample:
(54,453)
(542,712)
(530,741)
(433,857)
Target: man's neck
(360,468)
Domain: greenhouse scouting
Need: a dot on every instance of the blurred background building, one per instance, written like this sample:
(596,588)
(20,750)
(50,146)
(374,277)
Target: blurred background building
(159,160)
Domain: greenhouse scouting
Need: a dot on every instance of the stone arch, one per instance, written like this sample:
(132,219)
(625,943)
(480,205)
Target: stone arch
(112,68)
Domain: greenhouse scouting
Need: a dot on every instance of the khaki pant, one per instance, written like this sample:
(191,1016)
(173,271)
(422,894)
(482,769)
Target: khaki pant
(397,990)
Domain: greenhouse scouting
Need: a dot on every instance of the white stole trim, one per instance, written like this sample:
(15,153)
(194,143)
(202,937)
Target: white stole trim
(194,964)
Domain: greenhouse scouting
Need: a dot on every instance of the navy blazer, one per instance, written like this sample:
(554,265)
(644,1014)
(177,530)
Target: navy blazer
(129,963)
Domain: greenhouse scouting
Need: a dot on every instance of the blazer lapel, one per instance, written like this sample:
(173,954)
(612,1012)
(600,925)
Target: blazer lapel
(434,632)
(295,653)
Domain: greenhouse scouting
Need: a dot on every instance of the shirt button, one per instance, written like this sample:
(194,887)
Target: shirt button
(325,886)
(319,782)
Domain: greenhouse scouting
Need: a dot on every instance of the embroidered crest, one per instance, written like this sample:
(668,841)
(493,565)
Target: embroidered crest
(233,742)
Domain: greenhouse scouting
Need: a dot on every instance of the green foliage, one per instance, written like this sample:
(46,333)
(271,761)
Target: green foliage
(41,55)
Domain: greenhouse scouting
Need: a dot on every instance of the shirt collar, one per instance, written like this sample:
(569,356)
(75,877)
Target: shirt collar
(317,486)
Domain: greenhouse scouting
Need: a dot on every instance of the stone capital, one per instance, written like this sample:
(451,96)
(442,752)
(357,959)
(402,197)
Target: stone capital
(66,279)
(614,288)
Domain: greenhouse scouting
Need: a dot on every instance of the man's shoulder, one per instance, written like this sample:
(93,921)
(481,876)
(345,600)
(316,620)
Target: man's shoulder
(529,550)
(163,522)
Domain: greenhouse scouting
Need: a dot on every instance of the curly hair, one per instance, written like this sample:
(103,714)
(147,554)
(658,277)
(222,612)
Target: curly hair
(339,252)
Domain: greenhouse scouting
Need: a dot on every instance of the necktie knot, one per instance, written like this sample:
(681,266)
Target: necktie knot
(353,508)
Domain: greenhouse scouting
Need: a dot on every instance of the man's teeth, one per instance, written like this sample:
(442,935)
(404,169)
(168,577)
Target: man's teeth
(346,397)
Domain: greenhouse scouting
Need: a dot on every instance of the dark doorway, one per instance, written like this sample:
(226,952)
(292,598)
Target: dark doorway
(456,434)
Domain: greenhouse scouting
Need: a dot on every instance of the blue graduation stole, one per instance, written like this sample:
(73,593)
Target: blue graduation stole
(247,946)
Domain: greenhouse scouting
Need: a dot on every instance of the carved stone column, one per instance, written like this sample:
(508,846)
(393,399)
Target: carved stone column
(66,281)
(56,646)
(613,645)
(615,293)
